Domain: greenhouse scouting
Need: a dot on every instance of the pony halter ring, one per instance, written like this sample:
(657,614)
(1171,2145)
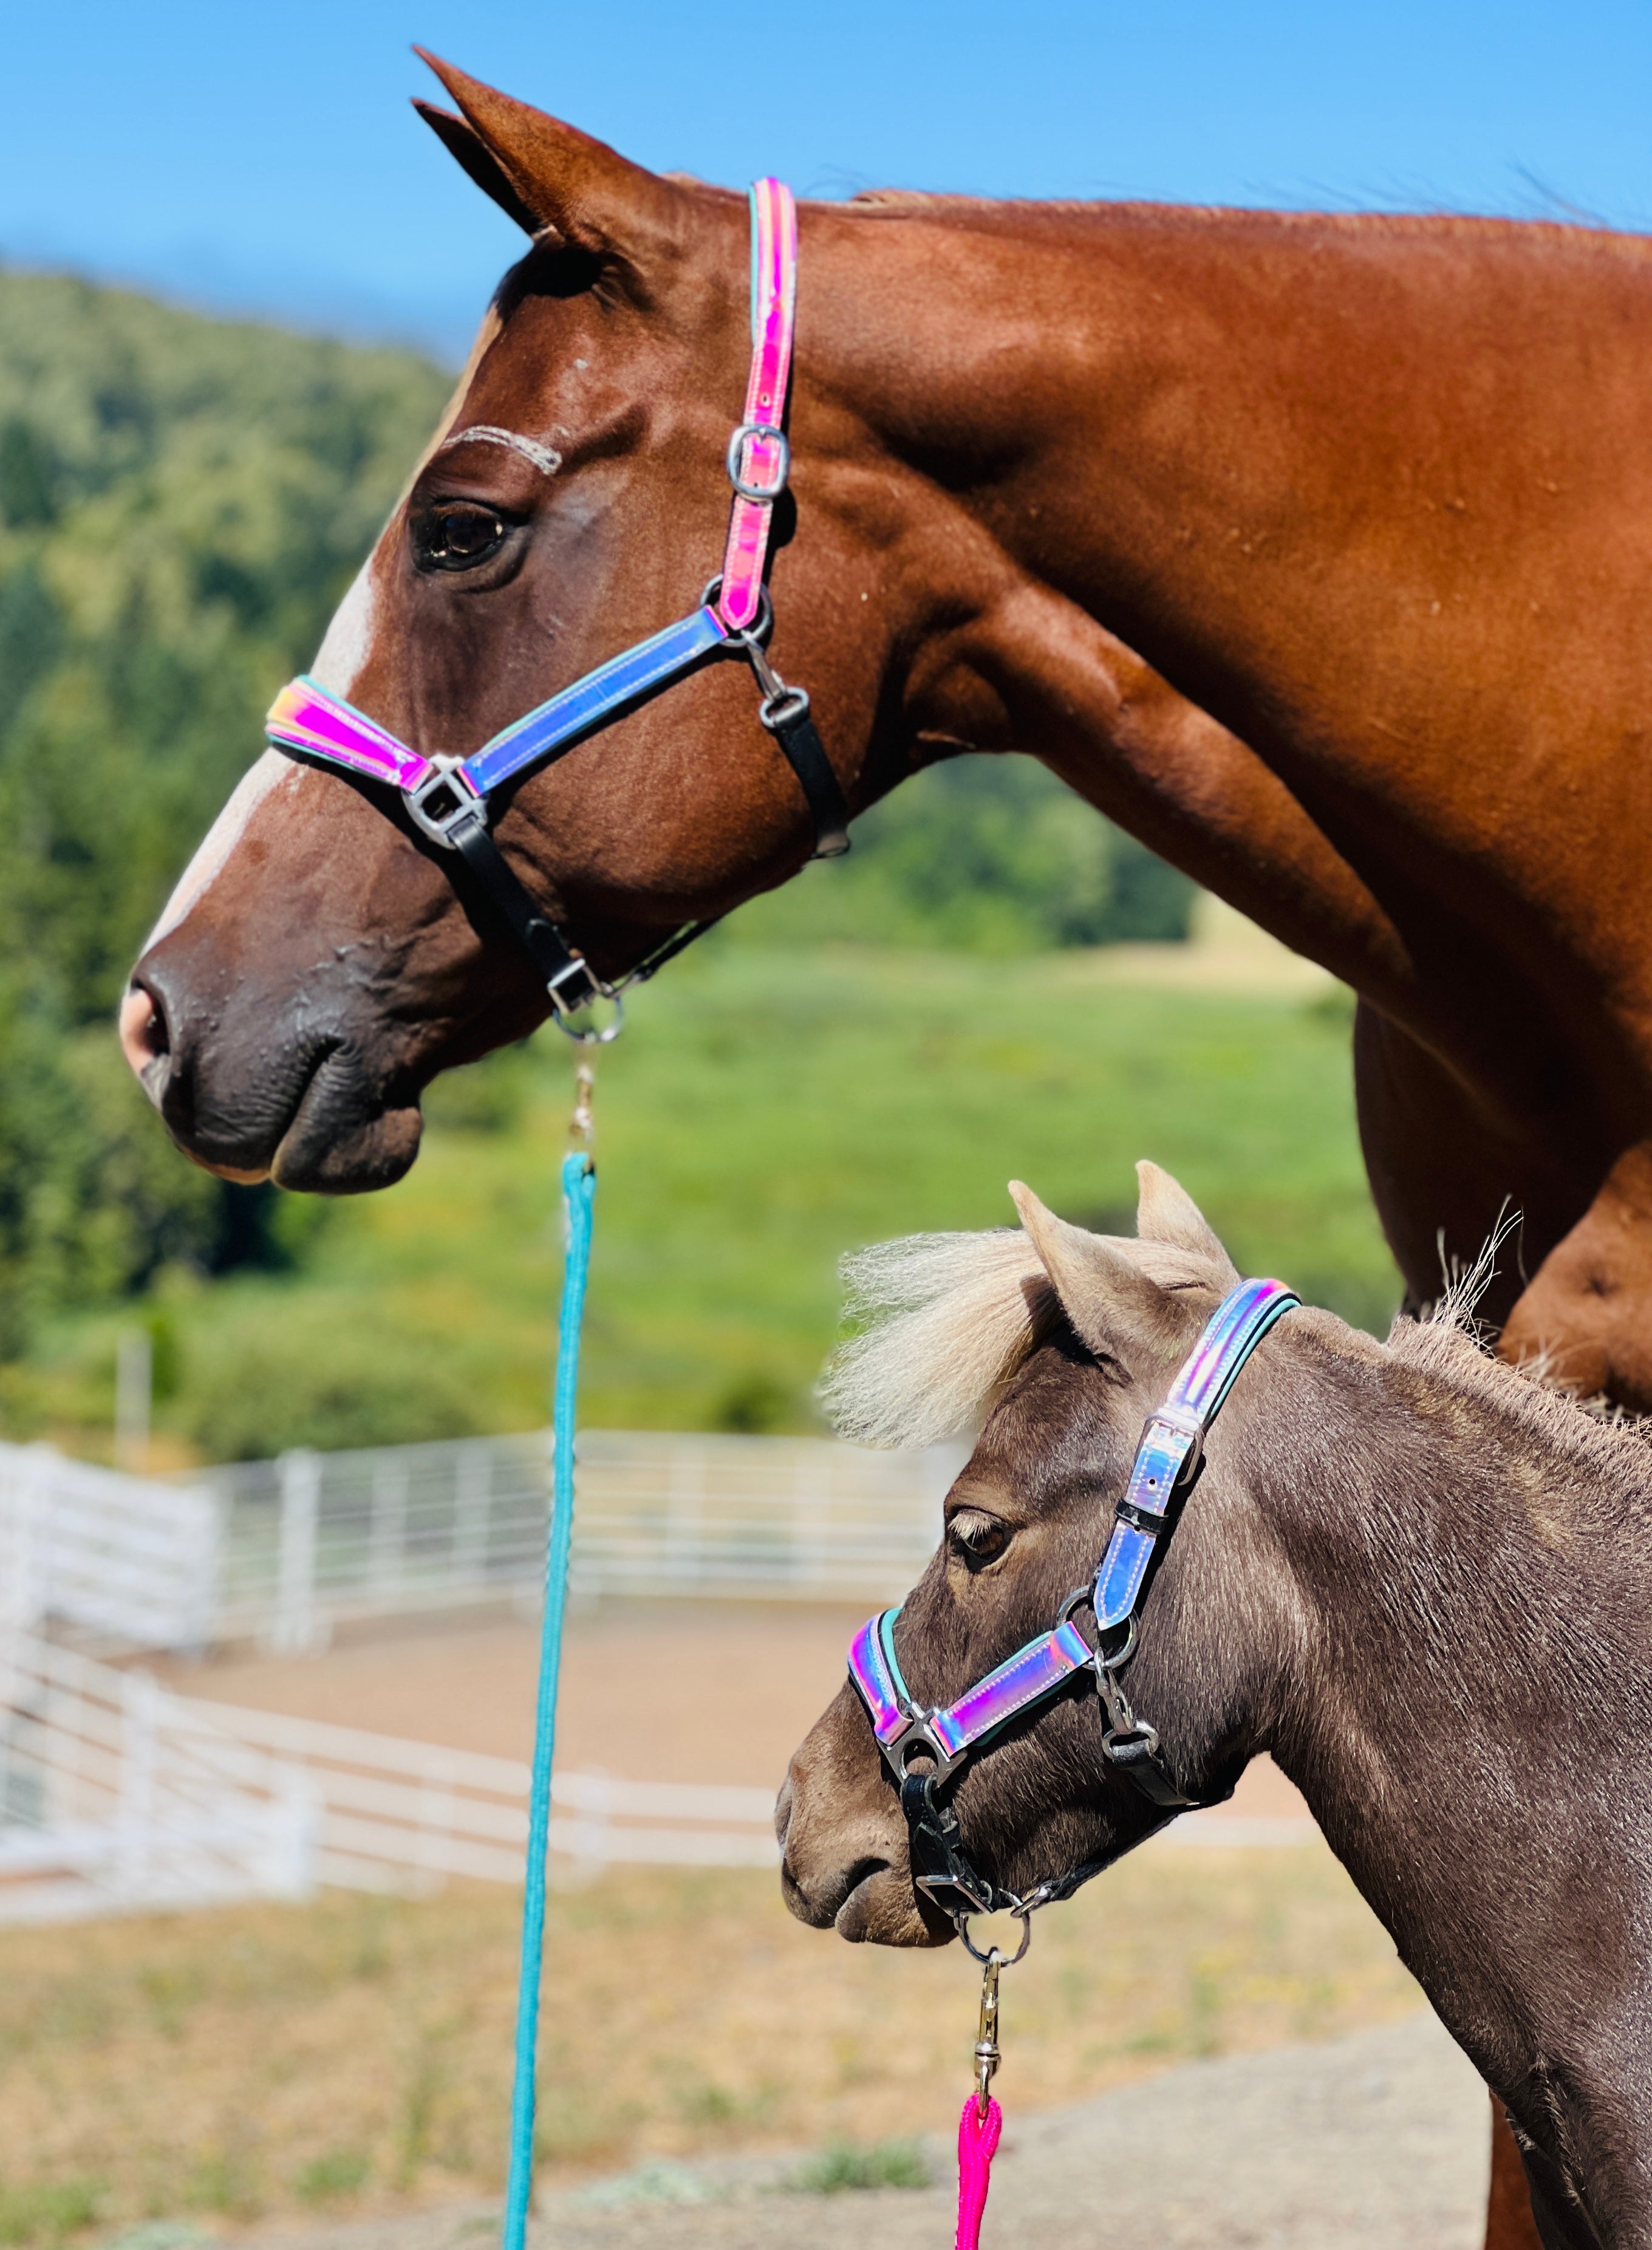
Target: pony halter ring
(449,799)
(1167,1461)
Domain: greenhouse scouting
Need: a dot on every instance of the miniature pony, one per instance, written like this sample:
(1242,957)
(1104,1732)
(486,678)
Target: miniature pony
(1417,1578)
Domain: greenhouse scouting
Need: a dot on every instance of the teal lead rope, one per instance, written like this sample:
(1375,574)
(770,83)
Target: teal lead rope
(578,1185)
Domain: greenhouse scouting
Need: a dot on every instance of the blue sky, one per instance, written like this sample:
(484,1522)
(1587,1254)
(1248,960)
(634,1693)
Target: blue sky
(263,157)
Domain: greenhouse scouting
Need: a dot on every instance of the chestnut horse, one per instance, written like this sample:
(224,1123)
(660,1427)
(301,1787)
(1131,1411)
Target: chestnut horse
(1411,1573)
(1315,550)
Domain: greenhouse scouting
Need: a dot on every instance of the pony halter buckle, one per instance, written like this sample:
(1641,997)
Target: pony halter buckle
(449,799)
(1166,1463)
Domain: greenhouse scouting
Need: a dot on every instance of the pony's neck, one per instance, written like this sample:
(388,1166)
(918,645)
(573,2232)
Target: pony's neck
(1465,1696)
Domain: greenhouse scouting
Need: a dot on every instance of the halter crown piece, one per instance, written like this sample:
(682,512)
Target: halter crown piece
(449,799)
(1167,1462)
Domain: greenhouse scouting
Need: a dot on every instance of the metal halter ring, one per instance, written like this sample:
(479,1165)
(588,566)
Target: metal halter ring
(759,630)
(598,1037)
(1023,1913)
(783,469)
(782,706)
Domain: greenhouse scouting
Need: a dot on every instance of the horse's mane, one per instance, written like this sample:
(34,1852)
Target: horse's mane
(946,1321)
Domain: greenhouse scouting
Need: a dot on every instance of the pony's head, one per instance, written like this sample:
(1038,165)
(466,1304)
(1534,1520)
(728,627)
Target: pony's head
(321,959)
(1065,1340)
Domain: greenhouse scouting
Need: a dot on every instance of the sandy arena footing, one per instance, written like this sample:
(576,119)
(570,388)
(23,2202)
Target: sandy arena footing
(1368,2143)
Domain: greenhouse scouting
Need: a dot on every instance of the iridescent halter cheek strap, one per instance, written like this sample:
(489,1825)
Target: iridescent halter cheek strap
(1167,1462)
(449,798)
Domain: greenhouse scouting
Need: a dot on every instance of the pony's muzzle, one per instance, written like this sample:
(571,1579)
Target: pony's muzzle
(844,1858)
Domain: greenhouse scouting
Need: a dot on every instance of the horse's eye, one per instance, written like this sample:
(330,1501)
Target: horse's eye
(458,534)
(978,1537)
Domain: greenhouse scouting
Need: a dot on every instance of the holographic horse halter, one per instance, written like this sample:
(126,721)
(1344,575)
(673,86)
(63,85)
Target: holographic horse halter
(449,799)
(1166,1463)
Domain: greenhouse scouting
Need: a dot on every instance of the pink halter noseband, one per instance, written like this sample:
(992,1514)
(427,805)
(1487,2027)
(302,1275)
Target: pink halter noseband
(448,798)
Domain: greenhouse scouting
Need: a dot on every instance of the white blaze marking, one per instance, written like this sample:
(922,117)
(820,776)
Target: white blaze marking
(221,839)
(339,664)
(342,658)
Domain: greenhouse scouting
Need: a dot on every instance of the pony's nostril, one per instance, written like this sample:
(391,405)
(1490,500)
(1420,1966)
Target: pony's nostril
(144,1037)
(784,1812)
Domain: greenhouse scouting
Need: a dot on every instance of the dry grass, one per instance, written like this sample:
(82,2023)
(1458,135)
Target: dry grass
(354,2052)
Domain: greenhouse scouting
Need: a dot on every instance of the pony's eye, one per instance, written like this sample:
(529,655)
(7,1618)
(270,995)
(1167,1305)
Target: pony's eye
(978,1537)
(458,534)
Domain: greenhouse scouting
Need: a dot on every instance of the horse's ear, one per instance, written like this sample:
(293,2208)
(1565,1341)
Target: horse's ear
(1165,1212)
(1104,1292)
(468,148)
(574,190)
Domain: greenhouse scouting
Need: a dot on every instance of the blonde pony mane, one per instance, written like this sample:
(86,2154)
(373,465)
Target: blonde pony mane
(946,1321)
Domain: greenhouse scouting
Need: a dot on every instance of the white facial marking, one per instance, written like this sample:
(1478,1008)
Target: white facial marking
(545,459)
(222,838)
(342,656)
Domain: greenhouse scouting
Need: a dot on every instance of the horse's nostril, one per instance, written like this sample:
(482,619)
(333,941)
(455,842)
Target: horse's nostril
(144,1037)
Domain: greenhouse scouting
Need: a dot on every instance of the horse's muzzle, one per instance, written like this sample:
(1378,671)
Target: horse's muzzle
(305,1110)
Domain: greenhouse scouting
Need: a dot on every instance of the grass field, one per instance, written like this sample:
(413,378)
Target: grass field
(766,1111)
(353,2054)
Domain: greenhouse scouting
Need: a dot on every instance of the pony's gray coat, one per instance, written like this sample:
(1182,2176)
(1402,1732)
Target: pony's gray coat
(1420,1579)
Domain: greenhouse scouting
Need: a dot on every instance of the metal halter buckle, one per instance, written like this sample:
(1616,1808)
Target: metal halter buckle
(561,1009)
(783,468)
(1186,1422)
(442,801)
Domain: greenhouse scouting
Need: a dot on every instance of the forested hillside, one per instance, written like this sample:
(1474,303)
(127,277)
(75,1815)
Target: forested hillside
(182,502)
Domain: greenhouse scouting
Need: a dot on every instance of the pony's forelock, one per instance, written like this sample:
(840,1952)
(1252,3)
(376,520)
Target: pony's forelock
(946,1319)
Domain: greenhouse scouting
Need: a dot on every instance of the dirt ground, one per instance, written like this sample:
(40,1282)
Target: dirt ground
(1364,2143)
(651,1691)
(334,2076)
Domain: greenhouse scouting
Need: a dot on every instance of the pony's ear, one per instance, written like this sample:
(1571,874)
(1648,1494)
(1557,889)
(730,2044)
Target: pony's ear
(575,191)
(468,148)
(1104,1292)
(1165,1212)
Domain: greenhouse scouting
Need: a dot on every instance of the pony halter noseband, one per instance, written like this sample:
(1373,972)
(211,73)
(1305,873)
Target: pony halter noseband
(1166,1463)
(449,799)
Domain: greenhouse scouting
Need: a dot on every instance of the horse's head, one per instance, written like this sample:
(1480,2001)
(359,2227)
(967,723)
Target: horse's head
(1075,1338)
(318,963)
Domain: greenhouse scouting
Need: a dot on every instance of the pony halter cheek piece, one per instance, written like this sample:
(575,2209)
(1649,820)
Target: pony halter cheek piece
(449,799)
(1167,1462)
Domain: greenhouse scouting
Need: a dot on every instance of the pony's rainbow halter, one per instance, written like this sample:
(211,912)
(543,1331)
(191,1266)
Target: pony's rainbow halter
(449,799)
(1166,1463)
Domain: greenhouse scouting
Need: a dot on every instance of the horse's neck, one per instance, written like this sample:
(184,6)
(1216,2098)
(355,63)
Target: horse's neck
(1294,464)
(1234,439)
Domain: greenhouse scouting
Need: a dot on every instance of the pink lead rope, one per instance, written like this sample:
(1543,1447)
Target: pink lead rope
(977,2145)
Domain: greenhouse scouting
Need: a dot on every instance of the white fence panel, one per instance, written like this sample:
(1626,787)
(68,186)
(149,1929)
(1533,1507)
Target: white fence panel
(283,1551)
(396,1815)
(117,1797)
(317,1539)
(124,1559)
